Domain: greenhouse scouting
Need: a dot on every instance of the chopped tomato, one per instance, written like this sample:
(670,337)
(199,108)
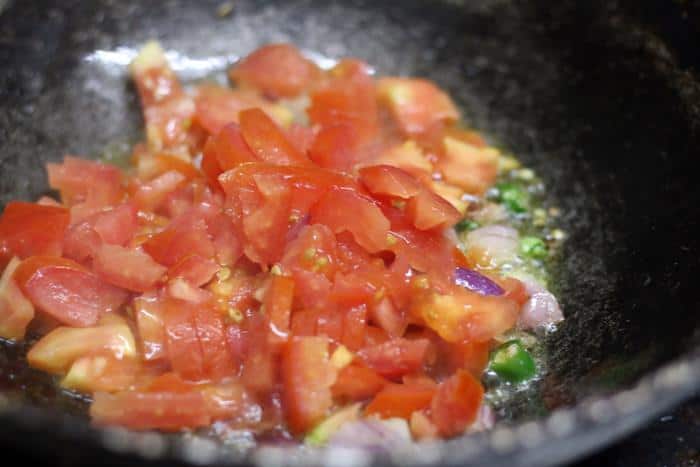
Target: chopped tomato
(456,403)
(230,149)
(260,359)
(218,106)
(195,269)
(396,357)
(126,268)
(185,236)
(116,226)
(151,328)
(16,311)
(301,136)
(429,211)
(167,109)
(67,291)
(151,166)
(184,349)
(355,327)
(422,428)
(57,350)
(278,70)
(357,383)
(267,141)
(278,306)
(407,156)
(216,360)
(81,181)
(308,376)
(260,266)
(417,104)
(349,211)
(389,318)
(106,373)
(468,316)
(152,194)
(388,180)
(349,100)
(471,168)
(400,400)
(136,410)
(336,147)
(514,289)
(28,229)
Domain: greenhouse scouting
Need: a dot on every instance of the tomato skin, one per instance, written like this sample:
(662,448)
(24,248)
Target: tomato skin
(168,411)
(349,211)
(390,181)
(456,403)
(16,311)
(129,269)
(278,70)
(396,357)
(357,383)
(66,291)
(28,229)
(267,141)
(307,375)
(400,400)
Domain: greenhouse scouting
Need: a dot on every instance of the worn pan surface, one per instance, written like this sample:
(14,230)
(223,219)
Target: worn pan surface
(579,90)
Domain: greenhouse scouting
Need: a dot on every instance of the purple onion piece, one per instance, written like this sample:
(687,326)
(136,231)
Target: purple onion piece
(472,280)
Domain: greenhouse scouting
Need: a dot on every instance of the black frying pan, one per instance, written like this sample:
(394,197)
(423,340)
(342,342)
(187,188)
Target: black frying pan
(582,91)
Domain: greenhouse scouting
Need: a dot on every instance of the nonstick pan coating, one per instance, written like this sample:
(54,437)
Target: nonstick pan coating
(590,98)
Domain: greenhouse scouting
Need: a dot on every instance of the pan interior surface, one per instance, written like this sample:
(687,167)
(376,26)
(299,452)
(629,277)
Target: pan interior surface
(596,105)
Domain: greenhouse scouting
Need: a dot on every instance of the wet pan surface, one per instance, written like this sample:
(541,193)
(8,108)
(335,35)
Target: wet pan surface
(591,100)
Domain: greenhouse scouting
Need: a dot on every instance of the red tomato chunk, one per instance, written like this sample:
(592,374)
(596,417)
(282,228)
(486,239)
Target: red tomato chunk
(261,266)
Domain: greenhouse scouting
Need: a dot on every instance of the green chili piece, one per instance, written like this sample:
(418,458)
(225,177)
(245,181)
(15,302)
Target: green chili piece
(515,198)
(512,362)
(466,225)
(533,247)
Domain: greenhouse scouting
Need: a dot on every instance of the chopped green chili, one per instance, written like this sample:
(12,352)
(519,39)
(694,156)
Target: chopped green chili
(512,362)
(466,225)
(515,198)
(533,247)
